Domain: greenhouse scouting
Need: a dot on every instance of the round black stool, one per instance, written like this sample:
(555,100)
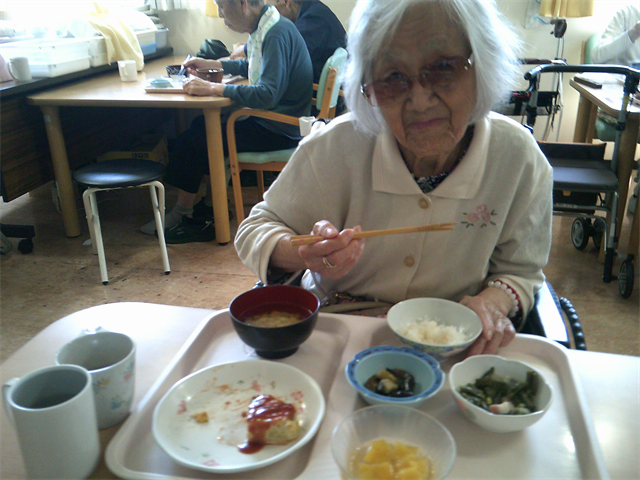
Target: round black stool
(114,175)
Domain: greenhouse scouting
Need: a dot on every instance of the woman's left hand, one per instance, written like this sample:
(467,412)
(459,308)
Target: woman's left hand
(201,88)
(497,330)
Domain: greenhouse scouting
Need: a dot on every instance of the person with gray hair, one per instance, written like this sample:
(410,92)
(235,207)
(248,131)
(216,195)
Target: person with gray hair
(321,29)
(419,145)
(280,79)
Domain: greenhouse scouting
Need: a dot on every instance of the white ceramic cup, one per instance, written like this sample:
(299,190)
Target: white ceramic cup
(128,70)
(305,125)
(110,359)
(53,412)
(19,69)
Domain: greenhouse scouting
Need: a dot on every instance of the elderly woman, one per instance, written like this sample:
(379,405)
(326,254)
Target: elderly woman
(280,78)
(419,146)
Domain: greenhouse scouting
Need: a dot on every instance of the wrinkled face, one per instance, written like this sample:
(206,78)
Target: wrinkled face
(428,121)
(232,14)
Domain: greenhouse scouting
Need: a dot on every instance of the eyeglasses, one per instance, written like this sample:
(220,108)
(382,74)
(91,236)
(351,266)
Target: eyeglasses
(444,73)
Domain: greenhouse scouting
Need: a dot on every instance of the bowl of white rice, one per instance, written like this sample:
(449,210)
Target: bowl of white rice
(438,327)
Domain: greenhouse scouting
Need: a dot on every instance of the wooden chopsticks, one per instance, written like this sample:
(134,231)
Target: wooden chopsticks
(298,240)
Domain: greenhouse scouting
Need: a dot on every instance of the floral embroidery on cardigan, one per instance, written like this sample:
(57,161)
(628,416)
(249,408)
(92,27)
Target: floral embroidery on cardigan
(481,217)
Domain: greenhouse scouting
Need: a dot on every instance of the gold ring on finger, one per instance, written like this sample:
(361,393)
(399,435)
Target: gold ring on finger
(327,263)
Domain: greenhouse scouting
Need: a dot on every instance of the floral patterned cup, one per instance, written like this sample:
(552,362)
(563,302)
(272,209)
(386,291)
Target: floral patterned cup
(110,359)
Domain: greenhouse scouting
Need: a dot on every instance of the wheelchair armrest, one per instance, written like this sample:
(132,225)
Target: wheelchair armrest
(546,319)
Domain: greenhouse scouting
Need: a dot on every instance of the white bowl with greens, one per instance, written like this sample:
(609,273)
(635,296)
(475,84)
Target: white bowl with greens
(498,394)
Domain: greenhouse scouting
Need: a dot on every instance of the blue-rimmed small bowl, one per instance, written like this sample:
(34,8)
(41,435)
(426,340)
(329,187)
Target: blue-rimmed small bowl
(426,371)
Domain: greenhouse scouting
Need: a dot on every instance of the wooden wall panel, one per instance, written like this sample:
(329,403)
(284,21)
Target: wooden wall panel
(88,132)
(24,150)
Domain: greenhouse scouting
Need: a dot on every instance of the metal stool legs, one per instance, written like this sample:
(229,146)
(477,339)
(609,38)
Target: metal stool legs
(158,213)
(93,221)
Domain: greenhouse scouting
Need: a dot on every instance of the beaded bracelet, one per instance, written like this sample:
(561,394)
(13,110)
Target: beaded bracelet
(509,291)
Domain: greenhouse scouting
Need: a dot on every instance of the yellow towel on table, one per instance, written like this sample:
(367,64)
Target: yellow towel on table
(121,41)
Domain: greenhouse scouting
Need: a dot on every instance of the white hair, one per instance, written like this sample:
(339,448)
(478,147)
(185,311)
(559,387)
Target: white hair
(494,44)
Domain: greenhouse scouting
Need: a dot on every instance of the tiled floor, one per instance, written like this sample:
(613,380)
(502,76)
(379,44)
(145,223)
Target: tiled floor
(61,276)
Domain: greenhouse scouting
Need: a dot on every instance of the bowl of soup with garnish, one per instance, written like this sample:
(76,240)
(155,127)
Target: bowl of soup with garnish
(274,320)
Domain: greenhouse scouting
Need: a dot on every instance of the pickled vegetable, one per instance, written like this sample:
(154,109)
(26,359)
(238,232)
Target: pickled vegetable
(392,382)
(502,395)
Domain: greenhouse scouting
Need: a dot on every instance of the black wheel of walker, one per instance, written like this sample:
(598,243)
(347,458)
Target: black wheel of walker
(597,231)
(625,278)
(25,246)
(580,231)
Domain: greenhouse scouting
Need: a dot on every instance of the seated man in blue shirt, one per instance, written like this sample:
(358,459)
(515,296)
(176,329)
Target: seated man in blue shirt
(280,79)
(318,25)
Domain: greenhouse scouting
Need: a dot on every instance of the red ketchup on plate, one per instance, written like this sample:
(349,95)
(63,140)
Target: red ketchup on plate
(264,411)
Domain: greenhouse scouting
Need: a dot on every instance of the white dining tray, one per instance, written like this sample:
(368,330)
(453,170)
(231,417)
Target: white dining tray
(176,85)
(562,445)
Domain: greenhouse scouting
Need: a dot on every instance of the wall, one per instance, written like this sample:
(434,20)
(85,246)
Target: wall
(187,29)
(540,43)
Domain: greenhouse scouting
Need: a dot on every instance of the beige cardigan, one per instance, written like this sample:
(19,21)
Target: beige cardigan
(500,195)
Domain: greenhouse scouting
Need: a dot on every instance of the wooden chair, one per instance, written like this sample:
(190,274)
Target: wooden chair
(274,161)
(327,94)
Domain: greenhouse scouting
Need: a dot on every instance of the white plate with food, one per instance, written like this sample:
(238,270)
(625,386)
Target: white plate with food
(238,416)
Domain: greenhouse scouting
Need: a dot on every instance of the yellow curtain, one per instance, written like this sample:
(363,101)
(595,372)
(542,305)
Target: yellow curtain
(566,8)
(211,9)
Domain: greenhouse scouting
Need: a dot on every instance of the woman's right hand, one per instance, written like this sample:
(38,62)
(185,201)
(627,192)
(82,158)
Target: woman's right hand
(196,62)
(334,256)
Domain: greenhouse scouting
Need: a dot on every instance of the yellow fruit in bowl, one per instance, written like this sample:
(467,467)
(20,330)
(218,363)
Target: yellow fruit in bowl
(375,471)
(385,460)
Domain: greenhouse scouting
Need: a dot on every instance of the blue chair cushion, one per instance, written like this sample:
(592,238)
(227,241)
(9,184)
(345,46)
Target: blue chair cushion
(605,131)
(265,157)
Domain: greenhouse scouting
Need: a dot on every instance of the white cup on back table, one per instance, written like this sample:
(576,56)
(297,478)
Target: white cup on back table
(305,125)
(110,359)
(53,412)
(128,70)
(19,69)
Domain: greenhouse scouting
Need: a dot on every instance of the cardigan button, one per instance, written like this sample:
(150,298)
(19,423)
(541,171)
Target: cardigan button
(409,261)
(424,203)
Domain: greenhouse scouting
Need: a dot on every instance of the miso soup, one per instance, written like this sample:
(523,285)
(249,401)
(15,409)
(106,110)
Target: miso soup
(275,315)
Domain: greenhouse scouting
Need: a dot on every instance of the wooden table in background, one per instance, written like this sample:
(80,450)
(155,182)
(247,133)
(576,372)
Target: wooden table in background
(108,91)
(609,99)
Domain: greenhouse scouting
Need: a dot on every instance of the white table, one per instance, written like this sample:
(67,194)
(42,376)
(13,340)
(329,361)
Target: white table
(611,382)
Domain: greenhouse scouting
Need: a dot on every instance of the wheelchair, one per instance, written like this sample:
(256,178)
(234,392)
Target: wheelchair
(582,170)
